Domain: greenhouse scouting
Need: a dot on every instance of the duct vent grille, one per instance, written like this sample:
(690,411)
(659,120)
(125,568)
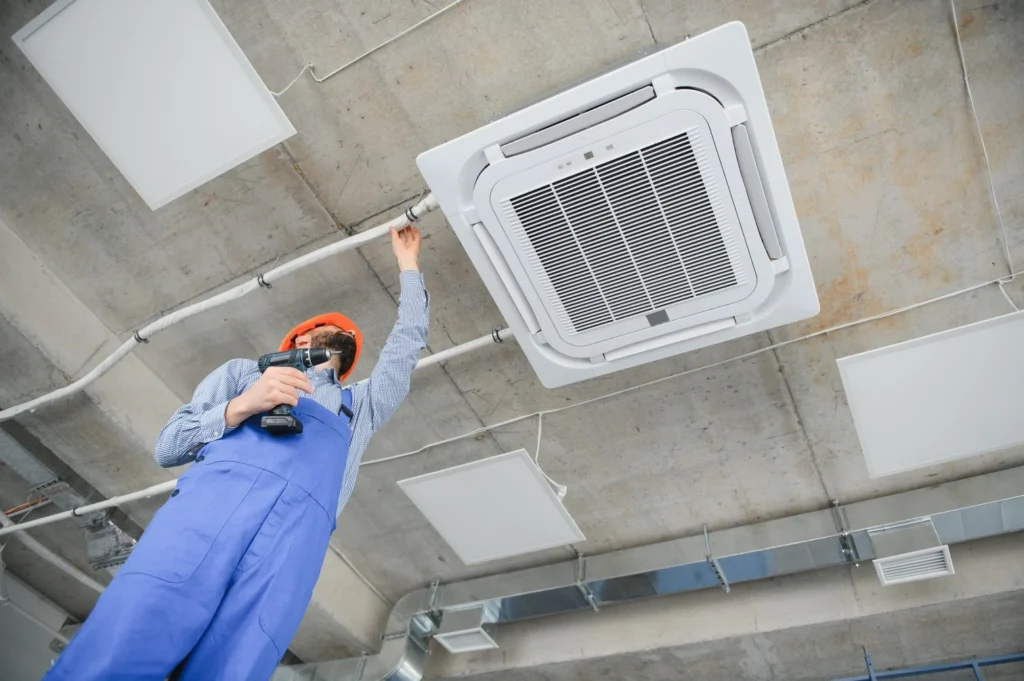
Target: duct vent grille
(632,235)
(914,566)
(466,641)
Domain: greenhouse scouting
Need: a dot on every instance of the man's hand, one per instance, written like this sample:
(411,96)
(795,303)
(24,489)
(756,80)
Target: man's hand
(277,385)
(406,245)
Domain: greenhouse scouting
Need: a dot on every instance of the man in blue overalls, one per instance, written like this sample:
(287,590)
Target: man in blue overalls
(218,584)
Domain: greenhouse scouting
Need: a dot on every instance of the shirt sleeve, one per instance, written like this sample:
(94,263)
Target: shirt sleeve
(202,420)
(376,399)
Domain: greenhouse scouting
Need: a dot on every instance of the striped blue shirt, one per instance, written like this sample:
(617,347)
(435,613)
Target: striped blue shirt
(374,400)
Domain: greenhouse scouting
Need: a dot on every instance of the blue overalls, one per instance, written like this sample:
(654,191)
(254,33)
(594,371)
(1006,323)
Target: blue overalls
(223,574)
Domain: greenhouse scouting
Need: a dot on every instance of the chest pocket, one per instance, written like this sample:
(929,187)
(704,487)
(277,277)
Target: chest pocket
(185,528)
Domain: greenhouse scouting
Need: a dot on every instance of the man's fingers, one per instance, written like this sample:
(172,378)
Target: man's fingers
(278,372)
(300,382)
(281,397)
(279,385)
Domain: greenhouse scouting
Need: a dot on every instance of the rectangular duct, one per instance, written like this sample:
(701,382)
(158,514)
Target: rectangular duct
(953,512)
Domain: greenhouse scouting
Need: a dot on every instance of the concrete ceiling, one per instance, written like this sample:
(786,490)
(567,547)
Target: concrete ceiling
(882,156)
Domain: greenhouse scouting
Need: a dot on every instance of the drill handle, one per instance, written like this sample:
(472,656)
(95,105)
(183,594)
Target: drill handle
(282,410)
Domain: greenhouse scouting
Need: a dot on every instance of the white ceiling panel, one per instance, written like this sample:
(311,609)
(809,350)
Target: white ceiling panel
(940,397)
(494,508)
(160,85)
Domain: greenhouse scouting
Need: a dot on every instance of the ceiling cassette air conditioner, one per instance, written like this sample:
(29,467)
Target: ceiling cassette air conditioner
(639,215)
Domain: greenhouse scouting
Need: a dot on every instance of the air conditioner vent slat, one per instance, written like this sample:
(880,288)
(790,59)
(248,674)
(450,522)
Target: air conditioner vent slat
(600,234)
(914,566)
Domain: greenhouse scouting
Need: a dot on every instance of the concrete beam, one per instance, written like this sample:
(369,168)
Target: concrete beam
(70,336)
(761,630)
(345,615)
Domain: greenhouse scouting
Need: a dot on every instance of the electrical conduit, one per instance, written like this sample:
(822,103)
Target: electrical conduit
(497,336)
(411,214)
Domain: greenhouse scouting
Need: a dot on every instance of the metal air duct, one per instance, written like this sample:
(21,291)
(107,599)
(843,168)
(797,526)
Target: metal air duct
(963,510)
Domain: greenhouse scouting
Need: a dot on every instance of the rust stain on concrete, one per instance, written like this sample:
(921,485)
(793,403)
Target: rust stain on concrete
(846,297)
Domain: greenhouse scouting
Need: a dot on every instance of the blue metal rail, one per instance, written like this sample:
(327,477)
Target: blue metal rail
(973,665)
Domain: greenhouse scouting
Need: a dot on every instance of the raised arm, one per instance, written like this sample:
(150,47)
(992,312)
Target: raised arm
(378,399)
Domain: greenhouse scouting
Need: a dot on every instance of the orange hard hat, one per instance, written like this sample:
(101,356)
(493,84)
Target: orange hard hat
(330,319)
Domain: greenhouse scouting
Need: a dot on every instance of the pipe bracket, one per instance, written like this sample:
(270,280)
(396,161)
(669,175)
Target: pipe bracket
(849,549)
(581,574)
(716,567)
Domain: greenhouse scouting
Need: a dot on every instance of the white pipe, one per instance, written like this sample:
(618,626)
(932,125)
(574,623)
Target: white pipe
(498,336)
(45,553)
(153,491)
(165,487)
(424,206)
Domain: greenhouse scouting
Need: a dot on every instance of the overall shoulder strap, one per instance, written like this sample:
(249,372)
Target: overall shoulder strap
(346,403)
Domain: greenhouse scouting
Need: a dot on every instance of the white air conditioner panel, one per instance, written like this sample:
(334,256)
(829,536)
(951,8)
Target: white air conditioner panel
(703,88)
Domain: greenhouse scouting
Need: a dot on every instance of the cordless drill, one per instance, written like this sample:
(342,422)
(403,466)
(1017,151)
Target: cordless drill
(280,420)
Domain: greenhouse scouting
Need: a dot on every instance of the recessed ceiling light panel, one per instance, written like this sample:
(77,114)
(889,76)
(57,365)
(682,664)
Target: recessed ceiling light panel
(493,508)
(161,86)
(939,397)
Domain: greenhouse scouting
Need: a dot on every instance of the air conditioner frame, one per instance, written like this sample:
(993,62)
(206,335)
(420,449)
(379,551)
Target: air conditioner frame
(718,66)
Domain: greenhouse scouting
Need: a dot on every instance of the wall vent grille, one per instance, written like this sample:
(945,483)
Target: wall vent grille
(916,565)
(466,641)
(600,234)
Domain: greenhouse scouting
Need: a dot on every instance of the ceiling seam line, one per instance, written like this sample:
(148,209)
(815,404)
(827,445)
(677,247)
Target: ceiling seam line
(312,190)
(813,24)
(800,420)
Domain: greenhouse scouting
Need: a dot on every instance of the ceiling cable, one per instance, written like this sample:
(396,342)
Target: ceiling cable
(366,54)
(746,355)
(984,148)
(1006,295)
(560,489)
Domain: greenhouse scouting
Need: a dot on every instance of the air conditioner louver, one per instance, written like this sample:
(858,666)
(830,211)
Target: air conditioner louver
(914,566)
(614,227)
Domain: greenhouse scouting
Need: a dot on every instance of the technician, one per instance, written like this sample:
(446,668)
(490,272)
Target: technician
(220,580)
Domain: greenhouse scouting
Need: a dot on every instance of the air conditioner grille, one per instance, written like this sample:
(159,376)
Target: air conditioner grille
(466,641)
(630,236)
(914,566)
